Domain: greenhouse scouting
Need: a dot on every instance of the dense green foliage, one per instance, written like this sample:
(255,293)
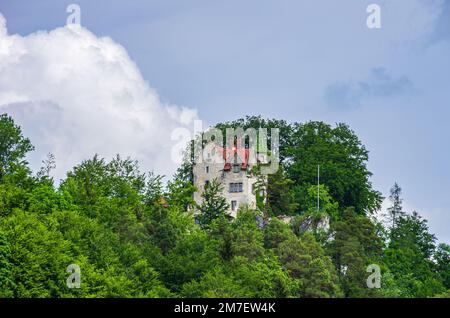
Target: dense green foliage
(13,146)
(133,237)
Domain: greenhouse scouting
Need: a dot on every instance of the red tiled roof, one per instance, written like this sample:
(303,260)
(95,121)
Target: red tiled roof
(228,154)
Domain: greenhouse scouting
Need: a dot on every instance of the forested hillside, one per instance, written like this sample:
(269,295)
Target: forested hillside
(133,237)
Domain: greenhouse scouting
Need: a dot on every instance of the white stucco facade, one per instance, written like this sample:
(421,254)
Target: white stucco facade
(236,179)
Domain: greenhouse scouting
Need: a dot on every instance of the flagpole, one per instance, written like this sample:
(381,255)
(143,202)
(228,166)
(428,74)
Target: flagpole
(318,188)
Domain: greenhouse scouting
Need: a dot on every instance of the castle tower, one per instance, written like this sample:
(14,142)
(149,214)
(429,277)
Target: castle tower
(232,168)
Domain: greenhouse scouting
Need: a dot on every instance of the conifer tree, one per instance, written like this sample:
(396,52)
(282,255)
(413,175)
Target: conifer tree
(213,204)
(396,210)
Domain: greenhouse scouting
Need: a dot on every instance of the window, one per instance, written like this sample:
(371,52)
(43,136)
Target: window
(207,169)
(206,183)
(236,187)
(233,205)
(236,168)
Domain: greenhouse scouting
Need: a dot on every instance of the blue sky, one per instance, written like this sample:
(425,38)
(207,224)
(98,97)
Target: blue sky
(297,60)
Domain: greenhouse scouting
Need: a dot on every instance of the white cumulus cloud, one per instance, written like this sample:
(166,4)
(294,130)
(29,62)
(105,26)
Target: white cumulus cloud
(76,94)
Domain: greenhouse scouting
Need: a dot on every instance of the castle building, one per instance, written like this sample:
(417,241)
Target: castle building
(232,167)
